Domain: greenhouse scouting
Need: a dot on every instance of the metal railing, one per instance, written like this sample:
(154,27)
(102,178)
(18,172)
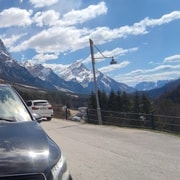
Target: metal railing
(136,120)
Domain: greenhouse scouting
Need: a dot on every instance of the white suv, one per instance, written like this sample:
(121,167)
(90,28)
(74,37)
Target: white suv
(42,107)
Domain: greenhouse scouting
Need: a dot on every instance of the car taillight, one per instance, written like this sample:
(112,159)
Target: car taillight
(34,108)
(50,107)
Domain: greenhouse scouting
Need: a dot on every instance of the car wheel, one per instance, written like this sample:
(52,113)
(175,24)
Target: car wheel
(49,118)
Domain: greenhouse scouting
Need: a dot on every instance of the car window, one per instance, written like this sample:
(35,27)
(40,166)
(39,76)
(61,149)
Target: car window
(11,106)
(41,103)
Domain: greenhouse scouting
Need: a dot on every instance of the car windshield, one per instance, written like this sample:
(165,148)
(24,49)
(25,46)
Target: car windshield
(11,107)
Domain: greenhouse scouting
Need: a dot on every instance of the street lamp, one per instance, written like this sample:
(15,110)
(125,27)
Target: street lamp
(94,76)
(113,61)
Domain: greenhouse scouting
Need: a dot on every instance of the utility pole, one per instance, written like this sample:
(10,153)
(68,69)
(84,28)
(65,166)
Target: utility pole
(95,82)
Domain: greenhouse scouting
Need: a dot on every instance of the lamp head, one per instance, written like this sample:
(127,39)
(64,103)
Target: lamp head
(113,61)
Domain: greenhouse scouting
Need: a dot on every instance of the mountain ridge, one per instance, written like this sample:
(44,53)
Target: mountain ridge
(12,71)
(75,78)
(146,86)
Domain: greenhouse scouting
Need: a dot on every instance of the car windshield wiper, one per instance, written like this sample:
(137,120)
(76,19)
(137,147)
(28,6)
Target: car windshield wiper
(8,120)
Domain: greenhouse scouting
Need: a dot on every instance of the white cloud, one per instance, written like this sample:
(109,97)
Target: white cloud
(42,3)
(113,67)
(15,17)
(174,58)
(9,41)
(117,52)
(170,75)
(79,16)
(48,18)
(162,72)
(103,34)
(41,58)
(64,6)
(167,18)
(58,38)
(55,40)
(62,39)
(73,17)
(161,68)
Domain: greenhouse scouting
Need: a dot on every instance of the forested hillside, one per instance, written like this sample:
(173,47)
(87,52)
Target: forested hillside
(122,102)
(169,102)
(166,104)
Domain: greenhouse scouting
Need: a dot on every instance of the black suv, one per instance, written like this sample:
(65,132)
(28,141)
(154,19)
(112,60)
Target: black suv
(26,151)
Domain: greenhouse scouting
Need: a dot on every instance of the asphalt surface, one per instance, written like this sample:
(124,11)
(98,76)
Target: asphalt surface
(96,152)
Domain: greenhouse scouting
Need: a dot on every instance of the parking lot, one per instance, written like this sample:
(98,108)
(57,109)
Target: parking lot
(112,153)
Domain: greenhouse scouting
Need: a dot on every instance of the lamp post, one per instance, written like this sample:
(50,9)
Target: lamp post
(95,81)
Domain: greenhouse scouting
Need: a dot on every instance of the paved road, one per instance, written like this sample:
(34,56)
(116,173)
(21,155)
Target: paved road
(110,153)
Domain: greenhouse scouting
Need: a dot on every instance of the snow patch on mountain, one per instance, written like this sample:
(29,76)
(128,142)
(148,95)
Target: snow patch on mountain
(37,70)
(146,86)
(77,72)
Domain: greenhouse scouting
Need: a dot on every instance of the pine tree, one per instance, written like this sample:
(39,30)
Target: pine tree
(146,108)
(119,101)
(136,103)
(103,100)
(92,101)
(126,103)
(112,103)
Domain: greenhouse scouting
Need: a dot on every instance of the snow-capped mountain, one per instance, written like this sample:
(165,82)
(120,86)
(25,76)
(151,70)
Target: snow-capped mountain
(11,71)
(47,74)
(146,86)
(77,72)
(76,78)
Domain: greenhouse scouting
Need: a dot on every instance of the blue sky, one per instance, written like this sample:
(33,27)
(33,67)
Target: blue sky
(142,35)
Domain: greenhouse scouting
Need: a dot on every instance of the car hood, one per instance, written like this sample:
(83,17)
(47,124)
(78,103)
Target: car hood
(26,148)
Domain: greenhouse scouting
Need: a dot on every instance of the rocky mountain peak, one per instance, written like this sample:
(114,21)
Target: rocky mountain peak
(12,71)
(76,72)
(3,49)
